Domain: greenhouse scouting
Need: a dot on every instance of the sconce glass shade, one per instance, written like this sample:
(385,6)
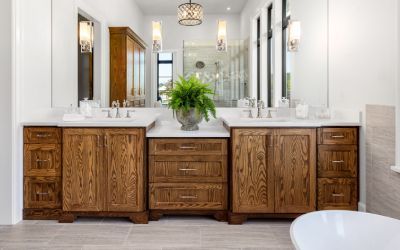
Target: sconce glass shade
(86,36)
(294,36)
(221,38)
(157,36)
(190,14)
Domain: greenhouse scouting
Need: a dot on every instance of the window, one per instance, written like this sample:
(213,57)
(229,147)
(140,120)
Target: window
(270,58)
(286,75)
(258,58)
(164,76)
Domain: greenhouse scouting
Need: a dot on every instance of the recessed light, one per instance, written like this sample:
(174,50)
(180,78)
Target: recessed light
(228,8)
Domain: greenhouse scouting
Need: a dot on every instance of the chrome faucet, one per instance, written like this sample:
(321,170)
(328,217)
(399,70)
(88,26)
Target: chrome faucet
(260,107)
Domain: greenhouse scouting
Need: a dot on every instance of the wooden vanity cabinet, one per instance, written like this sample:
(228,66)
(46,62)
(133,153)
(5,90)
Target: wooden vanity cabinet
(42,173)
(103,173)
(273,172)
(188,176)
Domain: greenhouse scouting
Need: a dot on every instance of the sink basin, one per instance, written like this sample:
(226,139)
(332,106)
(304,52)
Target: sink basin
(276,119)
(105,119)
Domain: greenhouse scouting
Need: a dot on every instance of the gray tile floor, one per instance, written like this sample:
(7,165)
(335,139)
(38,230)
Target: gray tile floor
(170,233)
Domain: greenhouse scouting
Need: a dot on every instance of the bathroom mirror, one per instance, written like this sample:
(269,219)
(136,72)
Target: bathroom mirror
(267,49)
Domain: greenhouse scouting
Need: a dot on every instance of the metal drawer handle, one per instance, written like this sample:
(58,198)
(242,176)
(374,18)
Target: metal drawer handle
(38,160)
(187,169)
(337,161)
(337,136)
(188,196)
(338,195)
(187,147)
(42,135)
(39,193)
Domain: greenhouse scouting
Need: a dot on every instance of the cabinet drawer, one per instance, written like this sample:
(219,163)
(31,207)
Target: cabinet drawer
(211,168)
(42,135)
(332,136)
(337,161)
(188,147)
(337,193)
(42,159)
(188,196)
(42,192)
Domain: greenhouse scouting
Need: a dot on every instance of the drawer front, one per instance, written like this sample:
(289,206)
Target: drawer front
(42,159)
(338,193)
(42,192)
(188,169)
(337,161)
(188,196)
(188,147)
(334,136)
(42,135)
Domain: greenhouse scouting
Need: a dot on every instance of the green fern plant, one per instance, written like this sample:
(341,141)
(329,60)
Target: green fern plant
(192,93)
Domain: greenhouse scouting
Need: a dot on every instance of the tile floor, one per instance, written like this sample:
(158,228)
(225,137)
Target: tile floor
(169,233)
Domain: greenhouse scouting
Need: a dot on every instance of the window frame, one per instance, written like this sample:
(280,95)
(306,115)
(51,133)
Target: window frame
(270,37)
(258,40)
(158,70)
(285,25)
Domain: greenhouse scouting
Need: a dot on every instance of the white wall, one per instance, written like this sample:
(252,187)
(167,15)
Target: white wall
(174,34)
(362,58)
(6,211)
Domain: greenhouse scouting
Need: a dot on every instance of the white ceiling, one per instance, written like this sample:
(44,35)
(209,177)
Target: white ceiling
(169,7)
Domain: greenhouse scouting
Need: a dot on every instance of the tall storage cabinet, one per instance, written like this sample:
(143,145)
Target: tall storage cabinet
(127,67)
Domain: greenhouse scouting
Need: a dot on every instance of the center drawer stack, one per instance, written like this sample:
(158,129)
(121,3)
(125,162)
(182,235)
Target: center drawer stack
(187,175)
(337,168)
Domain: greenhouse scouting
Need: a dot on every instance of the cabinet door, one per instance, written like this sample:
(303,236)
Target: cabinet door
(130,48)
(125,169)
(83,174)
(295,170)
(252,173)
(136,70)
(142,88)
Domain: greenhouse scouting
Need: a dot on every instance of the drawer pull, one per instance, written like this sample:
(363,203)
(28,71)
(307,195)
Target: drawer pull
(338,195)
(187,147)
(337,161)
(42,135)
(187,169)
(38,160)
(188,196)
(39,193)
(338,136)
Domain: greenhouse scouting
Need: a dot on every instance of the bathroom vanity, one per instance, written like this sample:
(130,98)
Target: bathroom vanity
(232,170)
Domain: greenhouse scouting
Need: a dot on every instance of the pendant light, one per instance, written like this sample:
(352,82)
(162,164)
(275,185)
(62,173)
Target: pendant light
(190,14)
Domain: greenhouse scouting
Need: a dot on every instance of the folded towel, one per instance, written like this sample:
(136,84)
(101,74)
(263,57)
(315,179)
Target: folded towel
(73,117)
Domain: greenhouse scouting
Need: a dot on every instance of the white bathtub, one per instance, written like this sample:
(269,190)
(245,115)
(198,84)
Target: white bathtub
(345,230)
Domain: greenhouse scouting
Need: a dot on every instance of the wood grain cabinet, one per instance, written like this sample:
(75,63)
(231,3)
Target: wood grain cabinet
(273,171)
(127,66)
(188,176)
(338,168)
(103,173)
(42,173)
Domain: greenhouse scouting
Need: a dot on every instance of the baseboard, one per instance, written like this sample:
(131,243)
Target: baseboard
(362,207)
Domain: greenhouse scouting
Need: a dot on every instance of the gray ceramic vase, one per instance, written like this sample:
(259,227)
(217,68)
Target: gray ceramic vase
(189,119)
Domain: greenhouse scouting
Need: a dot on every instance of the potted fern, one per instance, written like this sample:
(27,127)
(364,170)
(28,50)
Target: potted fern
(190,100)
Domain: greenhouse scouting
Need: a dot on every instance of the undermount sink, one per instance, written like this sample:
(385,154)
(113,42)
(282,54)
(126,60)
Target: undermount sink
(275,119)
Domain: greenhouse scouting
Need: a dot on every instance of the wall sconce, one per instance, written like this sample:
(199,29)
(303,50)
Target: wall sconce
(221,39)
(294,36)
(86,36)
(157,36)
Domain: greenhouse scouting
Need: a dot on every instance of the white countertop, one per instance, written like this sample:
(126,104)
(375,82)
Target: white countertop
(172,129)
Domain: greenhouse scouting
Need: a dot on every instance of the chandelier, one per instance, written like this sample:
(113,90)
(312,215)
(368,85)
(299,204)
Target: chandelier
(190,14)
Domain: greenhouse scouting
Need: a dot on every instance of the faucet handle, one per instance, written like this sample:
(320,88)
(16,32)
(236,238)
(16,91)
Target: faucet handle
(261,104)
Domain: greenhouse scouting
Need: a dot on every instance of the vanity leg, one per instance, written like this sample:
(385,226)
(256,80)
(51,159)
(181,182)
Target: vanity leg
(155,216)
(140,218)
(236,219)
(221,216)
(66,218)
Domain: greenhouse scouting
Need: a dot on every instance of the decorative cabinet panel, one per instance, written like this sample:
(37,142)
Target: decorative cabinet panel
(42,172)
(338,168)
(253,171)
(83,170)
(295,170)
(104,172)
(127,66)
(188,176)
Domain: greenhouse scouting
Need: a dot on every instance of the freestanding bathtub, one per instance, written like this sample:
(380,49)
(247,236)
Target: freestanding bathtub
(345,230)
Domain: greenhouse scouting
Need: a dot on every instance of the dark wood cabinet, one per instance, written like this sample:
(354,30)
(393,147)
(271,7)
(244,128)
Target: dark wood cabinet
(42,173)
(127,66)
(103,173)
(273,171)
(188,176)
